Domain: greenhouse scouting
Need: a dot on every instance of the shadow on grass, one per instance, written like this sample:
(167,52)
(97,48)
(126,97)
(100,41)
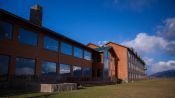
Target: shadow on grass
(8,93)
(43,96)
(81,87)
(11,93)
(94,85)
(34,94)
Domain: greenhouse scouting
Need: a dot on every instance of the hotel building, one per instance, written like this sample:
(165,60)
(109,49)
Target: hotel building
(31,52)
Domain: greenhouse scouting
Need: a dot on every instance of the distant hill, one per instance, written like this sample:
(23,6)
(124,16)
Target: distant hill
(168,73)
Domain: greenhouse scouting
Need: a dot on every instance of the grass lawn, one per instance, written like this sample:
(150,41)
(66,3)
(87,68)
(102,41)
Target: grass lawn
(158,88)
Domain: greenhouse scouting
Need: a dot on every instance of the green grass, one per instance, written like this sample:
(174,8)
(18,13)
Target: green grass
(157,88)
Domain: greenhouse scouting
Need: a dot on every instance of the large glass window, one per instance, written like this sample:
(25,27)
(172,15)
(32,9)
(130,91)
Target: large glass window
(131,76)
(48,68)
(106,63)
(4,62)
(25,66)
(76,71)
(86,71)
(87,55)
(78,52)
(5,30)
(50,43)
(66,48)
(64,69)
(129,65)
(28,37)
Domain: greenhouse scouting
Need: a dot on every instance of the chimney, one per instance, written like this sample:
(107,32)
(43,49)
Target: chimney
(36,15)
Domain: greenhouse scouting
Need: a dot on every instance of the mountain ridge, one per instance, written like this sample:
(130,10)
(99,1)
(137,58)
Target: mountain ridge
(167,73)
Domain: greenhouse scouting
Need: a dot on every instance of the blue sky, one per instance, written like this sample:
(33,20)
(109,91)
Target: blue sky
(145,25)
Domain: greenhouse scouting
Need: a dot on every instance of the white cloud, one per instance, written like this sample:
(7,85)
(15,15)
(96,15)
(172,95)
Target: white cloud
(167,30)
(163,66)
(162,44)
(146,43)
(170,49)
(101,43)
(165,40)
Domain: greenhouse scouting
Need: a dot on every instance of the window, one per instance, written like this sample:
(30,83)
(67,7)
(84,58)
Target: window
(64,69)
(87,71)
(128,75)
(87,55)
(66,48)
(106,64)
(128,55)
(5,30)
(25,66)
(28,37)
(129,65)
(131,75)
(78,52)
(4,62)
(76,71)
(132,66)
(50,43)
(48,68)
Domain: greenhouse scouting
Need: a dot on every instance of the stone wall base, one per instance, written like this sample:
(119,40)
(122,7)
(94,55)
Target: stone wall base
(61,87)
(38,87)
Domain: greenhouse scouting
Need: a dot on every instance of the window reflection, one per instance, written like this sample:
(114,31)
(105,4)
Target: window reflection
(66,48)
(48,68)
(50,43)
(76,71)
(64,69)
(86,71)
(87,55)
(5,30)
(4,62)
(25,66)
(28,37)
(106,63)
(78,52)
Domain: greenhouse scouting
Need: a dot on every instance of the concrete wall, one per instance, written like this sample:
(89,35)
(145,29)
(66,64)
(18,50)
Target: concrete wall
(58,87)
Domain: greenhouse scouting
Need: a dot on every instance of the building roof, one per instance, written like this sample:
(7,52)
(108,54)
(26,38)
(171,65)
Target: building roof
(116,44)
(108,48)
(103,48)
(4,14)
(92,44)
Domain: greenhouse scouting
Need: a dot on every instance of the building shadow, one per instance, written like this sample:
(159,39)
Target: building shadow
(43,96)
(8,93)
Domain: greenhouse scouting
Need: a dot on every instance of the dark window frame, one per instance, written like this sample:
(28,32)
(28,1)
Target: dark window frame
(86,51)
(30,30)
(49,61)
(27,58)
(83,68)
(80,70)
(74,52)
(51,38)
(12,29)
(67,44)
(8,66)
(60,68)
